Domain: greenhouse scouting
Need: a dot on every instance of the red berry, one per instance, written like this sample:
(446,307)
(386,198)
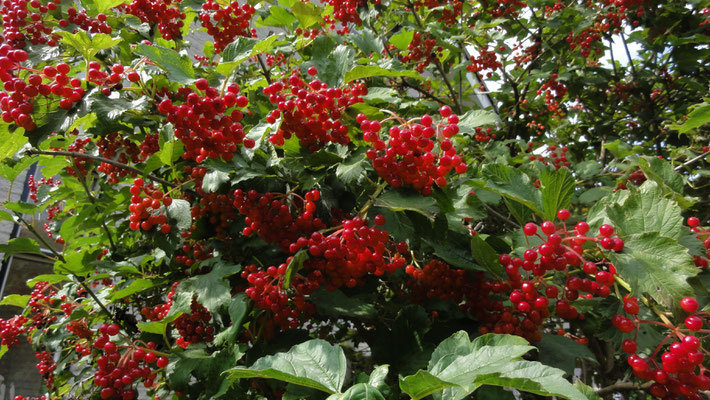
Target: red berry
(606,230)
(693,222)
(563,214)
(162,362)
(689,304)
(530,229)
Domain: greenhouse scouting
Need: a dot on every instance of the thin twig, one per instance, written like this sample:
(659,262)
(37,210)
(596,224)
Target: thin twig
(264,70)
(622,386)
(692,160)
(76,154)
(501,216)
(82,180)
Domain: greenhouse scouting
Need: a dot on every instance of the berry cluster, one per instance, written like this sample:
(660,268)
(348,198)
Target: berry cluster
(554,91)
(347,256)
(680,371)
(486,60)
(165,13)
(702,233)
(553,154)
(408,156)
(203,126)
(447,11)
(12,328)
(117,372)
(266,289)
(636,177)
(270,216)
(437,280)
(422,50)
(504,8)
(122,149)
(346,11)
(86,23)
(217,209)
(160,311)
(46,366)
(226,23)
(194,327)
(141,207)
(311,110)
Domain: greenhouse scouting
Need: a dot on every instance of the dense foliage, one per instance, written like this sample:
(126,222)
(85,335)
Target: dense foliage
(328,201)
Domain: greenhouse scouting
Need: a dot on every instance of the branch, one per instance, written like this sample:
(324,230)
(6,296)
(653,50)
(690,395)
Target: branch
(82,179)
(76,154)
(439,67)
(622,386)
(264,70)
(501,216)
(692,160)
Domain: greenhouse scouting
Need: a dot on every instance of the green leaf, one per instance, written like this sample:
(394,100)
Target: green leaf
(402,39)
(213,180)
(211,289)
(3,350)
(50,278)
(136,286)
(360,391)
(336,304)
(17,300)
(237,310)
(475,118)
(88,46)
(486,256)
(557,187)
(562,352)
(459,366)
(76,263)
(12,141)
(22,208)
(180,211)
(179,68)
(400,201)
(157,327)
(20,245)
(592,195)
(378,377)
(587,391)
(663,173)
(105,5)
(350,170)
(294,266)
(655,265)
(646,210)
(512,184)
(308,14)
(366,71)
(699,116)
(316,364)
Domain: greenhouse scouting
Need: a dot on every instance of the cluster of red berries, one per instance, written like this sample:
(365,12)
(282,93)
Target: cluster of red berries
(484,134)
(117,372)
(270,216)
(21,23)
(165,13)
(311,110)
(530,294)
(144,210)
(226,23)
(586,40)
(486,60)
(437,280)
(346,11)
(347,256)
(41,304)
(117,147)
(408,156)
(202,125)
(504,8)
(637,177)
(160,311)
(217,209)
(266,289)
(680,371)
(555,155)
(46,366)
(702,233)
(554,91)
(422,50)
(34,186)
(19,95)
(194,327)
(446,11)
(11,328)
(86,23)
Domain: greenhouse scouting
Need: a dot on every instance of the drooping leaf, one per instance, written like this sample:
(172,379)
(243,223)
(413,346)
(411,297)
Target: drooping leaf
(316,364)
(336,304)
(237,310)
(20,245)
(136,286)
(360,391)
(402,39)
(399,201)
(510,183)
(475,118)
(698,117)
(307,14)
(350,170)
(211,289)
(655,265)
(366,71)
(179,68)
(180,211)
(562,352)
(557,187)
(17,300)
(486,256)
(646,210)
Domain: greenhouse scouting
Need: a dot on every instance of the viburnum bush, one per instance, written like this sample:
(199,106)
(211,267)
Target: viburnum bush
(359,199)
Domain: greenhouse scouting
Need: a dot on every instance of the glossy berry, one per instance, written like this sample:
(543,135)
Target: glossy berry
(689,304)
